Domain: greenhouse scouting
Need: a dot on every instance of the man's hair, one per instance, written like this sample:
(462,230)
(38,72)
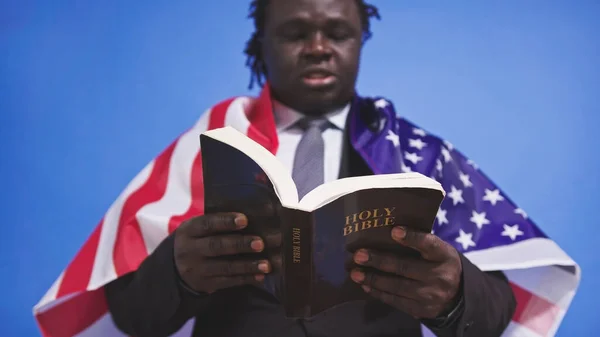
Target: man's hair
(253,50)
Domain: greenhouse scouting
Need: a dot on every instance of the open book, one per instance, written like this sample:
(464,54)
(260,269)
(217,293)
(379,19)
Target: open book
(319,232)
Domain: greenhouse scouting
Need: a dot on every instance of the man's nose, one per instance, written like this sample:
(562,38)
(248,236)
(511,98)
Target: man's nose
(317,46)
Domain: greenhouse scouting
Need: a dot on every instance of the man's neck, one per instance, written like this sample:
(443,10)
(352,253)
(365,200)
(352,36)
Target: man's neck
(286,116)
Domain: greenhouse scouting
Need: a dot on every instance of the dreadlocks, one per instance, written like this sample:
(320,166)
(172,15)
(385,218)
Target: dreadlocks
(253,50)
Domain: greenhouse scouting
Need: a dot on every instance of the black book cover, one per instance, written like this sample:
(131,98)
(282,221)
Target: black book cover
(311,267)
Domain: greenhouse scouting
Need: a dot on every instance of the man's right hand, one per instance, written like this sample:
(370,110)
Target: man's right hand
(210,255)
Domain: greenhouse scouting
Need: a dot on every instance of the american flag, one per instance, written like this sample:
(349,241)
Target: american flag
(476,217)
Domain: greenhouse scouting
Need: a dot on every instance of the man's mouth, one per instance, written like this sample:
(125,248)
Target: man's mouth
(317,78)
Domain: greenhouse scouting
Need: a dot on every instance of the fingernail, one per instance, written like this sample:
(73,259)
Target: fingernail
(357,276)
(398,233)
(366,289)
(257,245)
(259,277)
(361,256)
(241,221)
(263,266)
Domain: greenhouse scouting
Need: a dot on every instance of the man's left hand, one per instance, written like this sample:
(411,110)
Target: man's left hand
(424,287)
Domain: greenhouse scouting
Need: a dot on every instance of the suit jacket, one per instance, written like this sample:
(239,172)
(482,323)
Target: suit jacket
(153,302)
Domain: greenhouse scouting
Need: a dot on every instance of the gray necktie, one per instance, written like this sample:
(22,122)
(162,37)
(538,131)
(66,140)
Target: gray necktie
(308,171)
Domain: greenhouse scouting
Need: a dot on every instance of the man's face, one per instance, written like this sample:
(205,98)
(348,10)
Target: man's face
(311,49)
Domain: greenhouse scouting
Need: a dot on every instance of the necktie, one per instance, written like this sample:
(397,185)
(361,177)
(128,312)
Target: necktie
(308,170)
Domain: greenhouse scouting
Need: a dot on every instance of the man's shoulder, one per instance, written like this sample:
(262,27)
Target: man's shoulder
(407,130)
(232,105)
(225,103)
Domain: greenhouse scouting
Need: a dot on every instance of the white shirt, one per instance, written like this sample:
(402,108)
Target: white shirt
(289,136)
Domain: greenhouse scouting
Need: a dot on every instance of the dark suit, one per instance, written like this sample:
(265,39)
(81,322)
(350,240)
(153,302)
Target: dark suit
(152,302)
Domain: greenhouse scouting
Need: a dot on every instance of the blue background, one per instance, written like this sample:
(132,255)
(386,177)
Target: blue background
(91,91)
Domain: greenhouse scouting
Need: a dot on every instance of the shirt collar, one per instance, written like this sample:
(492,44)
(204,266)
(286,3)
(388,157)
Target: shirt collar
(285,116)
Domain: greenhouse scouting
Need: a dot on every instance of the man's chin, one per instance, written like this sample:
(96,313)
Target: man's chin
(314,100)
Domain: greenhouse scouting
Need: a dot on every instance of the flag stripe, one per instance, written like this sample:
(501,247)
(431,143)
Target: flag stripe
(195,186)
(217,116)
(104,266)
(78,273)
(69,318)
(534,312)
(154,217)
(104,326)
(129,249)
(197,192)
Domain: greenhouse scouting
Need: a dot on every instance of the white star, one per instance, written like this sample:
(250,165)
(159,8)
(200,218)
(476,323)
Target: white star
(456,196)
(419,132)
(412,157)
(417,143)
(465,180)
(405,169)
(439,167)
(381,103)
(493,196)
(446,155)
(472,163)
(449,145)
(479,219)
(512,232)
(465,239)
(392,137)
(441,216)
(521,212)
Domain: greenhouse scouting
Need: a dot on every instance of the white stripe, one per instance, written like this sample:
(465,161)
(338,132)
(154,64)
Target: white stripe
(425,332)
(236,114)
(515,329)
(103,270)
(186,330)
(154,217)
(531,253)
(50,294)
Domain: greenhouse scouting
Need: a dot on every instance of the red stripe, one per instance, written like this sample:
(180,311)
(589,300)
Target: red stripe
(218,113)
(130,250)
(534,312)
(262,122)
(69,318)
(78,273)
(216,120)
(196,191)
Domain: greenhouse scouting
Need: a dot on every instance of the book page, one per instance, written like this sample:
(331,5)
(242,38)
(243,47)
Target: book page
(277,173)
(331,191)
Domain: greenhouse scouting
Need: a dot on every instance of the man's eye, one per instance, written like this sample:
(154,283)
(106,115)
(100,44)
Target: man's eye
(295,36)
(339,34)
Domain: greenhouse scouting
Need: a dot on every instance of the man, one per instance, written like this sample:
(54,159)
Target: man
(161,267)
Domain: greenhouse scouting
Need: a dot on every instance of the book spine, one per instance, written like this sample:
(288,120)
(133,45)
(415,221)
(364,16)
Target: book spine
(297,230)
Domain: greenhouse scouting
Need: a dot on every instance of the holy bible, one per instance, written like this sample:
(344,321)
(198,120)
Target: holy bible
(310,241)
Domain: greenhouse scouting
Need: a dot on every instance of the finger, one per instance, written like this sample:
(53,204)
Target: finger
(395,285)
(212,268)
(223,282)
(231,244)
(407,305)
(409,267)
(211,224)
(431,247)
